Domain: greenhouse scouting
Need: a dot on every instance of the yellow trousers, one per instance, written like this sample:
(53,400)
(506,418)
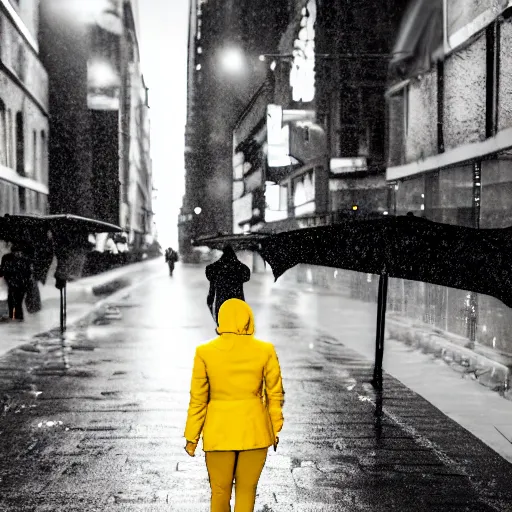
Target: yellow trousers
(244,467)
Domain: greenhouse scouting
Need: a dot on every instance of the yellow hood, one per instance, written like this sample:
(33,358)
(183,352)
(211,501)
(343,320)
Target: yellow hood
(235,317)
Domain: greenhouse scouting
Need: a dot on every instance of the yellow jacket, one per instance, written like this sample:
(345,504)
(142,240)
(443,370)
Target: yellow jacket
(231,376)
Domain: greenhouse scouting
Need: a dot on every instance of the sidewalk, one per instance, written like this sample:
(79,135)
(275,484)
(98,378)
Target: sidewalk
(443,381)
(81,299)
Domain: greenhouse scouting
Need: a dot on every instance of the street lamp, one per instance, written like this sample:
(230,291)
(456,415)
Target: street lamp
(232,60)
(197,210)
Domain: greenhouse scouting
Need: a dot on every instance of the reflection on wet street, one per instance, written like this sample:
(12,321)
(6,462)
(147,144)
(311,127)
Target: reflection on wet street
(94,421)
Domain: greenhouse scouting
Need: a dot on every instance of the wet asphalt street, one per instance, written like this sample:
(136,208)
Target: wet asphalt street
(95,422)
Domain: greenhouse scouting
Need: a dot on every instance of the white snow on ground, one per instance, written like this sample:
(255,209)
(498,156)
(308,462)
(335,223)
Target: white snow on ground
(476,408)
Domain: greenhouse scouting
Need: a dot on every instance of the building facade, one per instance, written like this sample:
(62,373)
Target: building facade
(450,121)
(24,124)
(223,73)
(99,122)
(310,145)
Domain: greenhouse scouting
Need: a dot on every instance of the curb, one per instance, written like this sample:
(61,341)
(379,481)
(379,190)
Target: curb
(99,308)
(491,374)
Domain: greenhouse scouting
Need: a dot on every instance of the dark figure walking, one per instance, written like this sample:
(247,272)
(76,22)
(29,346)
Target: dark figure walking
(171,257)
(227,276)
(16,269)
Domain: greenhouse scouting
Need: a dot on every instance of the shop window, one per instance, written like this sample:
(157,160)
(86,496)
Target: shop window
(410,196)
(454,202)
(496,191)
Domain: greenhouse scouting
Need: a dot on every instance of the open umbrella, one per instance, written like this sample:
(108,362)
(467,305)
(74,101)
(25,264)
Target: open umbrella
(63,235)
(404,247)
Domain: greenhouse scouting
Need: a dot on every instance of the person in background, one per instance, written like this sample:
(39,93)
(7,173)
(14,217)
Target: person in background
(171,257)
(227,276)
(236,403)
(16,269)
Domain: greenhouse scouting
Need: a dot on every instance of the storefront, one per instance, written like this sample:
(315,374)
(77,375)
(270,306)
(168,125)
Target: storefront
(474,195)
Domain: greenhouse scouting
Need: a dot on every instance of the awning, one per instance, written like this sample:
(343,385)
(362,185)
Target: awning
(419,37)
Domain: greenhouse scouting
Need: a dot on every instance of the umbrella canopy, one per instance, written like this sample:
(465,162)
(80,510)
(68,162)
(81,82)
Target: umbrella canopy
(238,242)
(67,239)
(62,222)
(404,247)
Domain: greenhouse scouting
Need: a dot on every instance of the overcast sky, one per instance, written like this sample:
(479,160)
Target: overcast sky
(163,45)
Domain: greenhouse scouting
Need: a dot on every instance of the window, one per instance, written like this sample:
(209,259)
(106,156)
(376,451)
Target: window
(4,140)
(44,158)
(22,199)
(35,159)
(410,196)
(9,134)
(304,194)
(20,145)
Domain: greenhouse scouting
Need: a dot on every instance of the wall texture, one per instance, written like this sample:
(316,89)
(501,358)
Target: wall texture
(421,138)
(464,95)
(505,78)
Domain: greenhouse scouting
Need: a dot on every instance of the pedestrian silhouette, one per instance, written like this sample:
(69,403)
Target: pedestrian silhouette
(236,402)
(16,269)
(171,257)
(227,276)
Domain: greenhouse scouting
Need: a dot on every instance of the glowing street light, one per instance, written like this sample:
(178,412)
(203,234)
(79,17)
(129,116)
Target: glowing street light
(197,210)
(232,60)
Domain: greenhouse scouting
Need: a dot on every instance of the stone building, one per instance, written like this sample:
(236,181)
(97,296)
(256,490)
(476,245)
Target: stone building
(223,73)
(98,150)
(450,142)
(24,126)
(310,144)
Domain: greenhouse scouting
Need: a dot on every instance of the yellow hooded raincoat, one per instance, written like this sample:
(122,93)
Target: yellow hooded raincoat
(233,376)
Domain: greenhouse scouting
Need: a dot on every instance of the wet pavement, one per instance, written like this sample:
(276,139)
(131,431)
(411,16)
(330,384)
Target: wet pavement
(94,422)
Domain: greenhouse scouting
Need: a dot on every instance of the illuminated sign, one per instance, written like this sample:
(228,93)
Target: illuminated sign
(342,165)
(278,134)
(302,74)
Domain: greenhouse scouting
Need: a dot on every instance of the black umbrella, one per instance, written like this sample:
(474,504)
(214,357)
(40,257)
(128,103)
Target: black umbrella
(404,247)
(64,235)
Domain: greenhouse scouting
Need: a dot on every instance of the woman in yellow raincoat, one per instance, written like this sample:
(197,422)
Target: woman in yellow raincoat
(236,400)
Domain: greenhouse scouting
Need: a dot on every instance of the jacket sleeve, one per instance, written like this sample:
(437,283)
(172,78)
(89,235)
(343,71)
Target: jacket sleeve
(199,396)
(274,390)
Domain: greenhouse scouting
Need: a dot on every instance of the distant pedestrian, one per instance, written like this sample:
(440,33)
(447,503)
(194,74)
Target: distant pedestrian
(227,276)
(236,401)
(33,295)
(171,257)
(16,269)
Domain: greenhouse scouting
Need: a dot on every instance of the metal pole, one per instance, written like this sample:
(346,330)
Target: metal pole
(65,307)
(381,324)
(62,311)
